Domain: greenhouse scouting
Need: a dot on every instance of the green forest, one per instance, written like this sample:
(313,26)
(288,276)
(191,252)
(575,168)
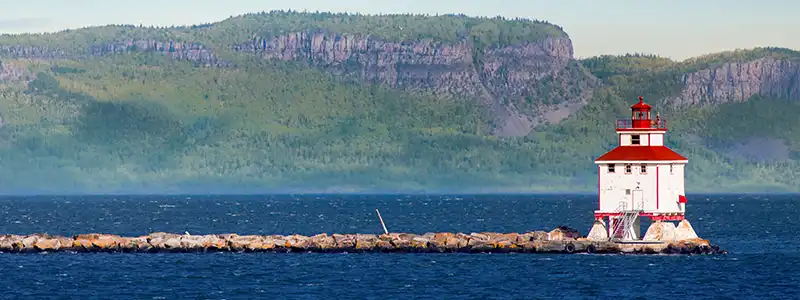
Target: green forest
(140,122)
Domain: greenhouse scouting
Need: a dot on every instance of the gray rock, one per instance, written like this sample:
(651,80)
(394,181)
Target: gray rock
(739,81)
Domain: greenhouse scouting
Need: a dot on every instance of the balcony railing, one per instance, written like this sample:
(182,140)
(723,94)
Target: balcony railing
(641,124)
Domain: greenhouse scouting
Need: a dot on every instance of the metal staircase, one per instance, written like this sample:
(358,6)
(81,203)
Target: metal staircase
(624,222)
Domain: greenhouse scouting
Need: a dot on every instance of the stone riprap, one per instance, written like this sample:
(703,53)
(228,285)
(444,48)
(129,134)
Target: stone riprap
(560,240)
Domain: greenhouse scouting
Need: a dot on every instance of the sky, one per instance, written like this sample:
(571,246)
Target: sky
(677,29)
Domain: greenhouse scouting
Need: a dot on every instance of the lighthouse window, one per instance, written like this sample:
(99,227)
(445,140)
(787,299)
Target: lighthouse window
(670,168)
(635,140)
(627,169)
(644,169)
(611,168)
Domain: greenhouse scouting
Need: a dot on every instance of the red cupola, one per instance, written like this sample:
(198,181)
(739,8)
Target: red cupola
(640,118)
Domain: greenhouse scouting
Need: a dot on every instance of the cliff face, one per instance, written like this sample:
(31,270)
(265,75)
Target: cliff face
(738,81)
(31,52)
(196,53)
(11,72)
(516,83)
(193,52)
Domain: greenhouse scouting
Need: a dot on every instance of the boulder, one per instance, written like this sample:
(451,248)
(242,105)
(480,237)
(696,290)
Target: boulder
(345,241)
(64,243)
(439,241)
(27,243)
(323,242)
(268,243)
(134,244)
(505,244)
(7,242)
(255,245)
(172,244)
(106,242)
(193,243)
(402,241)
(142,244)
(511,237)
(384,245)
(563,233)
(479,245)
(479,236)
(366,242)
(242,243)
(51,244)
(295,241)
(214,242)
(420,243)
(82,244)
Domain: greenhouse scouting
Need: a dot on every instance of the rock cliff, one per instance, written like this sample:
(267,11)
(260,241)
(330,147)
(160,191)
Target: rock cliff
(12,72)
(31,52)
(739,81)
(196,53)
(523,85)
(193,52)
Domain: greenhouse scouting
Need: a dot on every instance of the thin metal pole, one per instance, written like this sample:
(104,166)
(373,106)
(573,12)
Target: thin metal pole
(382,224)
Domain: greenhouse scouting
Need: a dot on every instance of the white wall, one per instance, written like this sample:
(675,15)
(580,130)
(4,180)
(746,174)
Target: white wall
(672,185)
(613,187)
(656,139)
(620,187)
(645,138)
(624,139)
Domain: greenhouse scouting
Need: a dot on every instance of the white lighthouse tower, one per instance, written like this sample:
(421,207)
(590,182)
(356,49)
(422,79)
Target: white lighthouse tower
(641,178)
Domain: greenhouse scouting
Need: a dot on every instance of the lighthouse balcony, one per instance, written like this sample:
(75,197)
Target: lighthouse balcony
(624,124)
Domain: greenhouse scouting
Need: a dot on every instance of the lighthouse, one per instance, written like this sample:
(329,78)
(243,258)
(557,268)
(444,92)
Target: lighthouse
(641,178)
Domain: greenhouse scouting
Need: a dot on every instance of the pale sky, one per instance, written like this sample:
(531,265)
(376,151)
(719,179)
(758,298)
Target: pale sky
(673,28)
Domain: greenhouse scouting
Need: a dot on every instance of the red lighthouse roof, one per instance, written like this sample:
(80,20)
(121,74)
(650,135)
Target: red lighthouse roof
(641,153)
(641,105)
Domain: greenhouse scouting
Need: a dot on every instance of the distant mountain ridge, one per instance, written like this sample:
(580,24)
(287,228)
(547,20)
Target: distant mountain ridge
(322,101)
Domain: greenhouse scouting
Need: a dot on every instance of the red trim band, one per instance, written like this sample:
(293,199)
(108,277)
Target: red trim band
(651,216)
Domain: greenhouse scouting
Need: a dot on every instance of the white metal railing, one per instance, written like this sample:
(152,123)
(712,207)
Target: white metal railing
(625,220)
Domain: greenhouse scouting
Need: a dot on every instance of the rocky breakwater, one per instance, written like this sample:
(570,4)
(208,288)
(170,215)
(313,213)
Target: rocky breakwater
(522,85)
(559,240)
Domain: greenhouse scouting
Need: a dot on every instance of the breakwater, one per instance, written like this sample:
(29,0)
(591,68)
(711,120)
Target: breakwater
(559,240)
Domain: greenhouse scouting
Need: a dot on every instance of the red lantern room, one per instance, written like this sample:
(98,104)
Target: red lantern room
(641,119)
(640,114)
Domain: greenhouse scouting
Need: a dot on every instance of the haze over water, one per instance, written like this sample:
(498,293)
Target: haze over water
(759,231)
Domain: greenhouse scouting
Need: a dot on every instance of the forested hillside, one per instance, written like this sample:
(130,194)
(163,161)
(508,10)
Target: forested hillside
(285,101)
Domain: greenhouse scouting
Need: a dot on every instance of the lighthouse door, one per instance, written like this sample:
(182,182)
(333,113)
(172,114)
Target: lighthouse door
(637,199)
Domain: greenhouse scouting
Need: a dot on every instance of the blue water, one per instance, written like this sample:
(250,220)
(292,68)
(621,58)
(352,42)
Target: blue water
(761,233)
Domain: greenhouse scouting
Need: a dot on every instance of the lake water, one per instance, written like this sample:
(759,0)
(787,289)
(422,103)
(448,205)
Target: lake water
(760,232)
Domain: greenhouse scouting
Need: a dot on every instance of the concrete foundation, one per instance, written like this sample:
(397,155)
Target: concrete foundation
(660,231)
(599,231)
(684,231)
